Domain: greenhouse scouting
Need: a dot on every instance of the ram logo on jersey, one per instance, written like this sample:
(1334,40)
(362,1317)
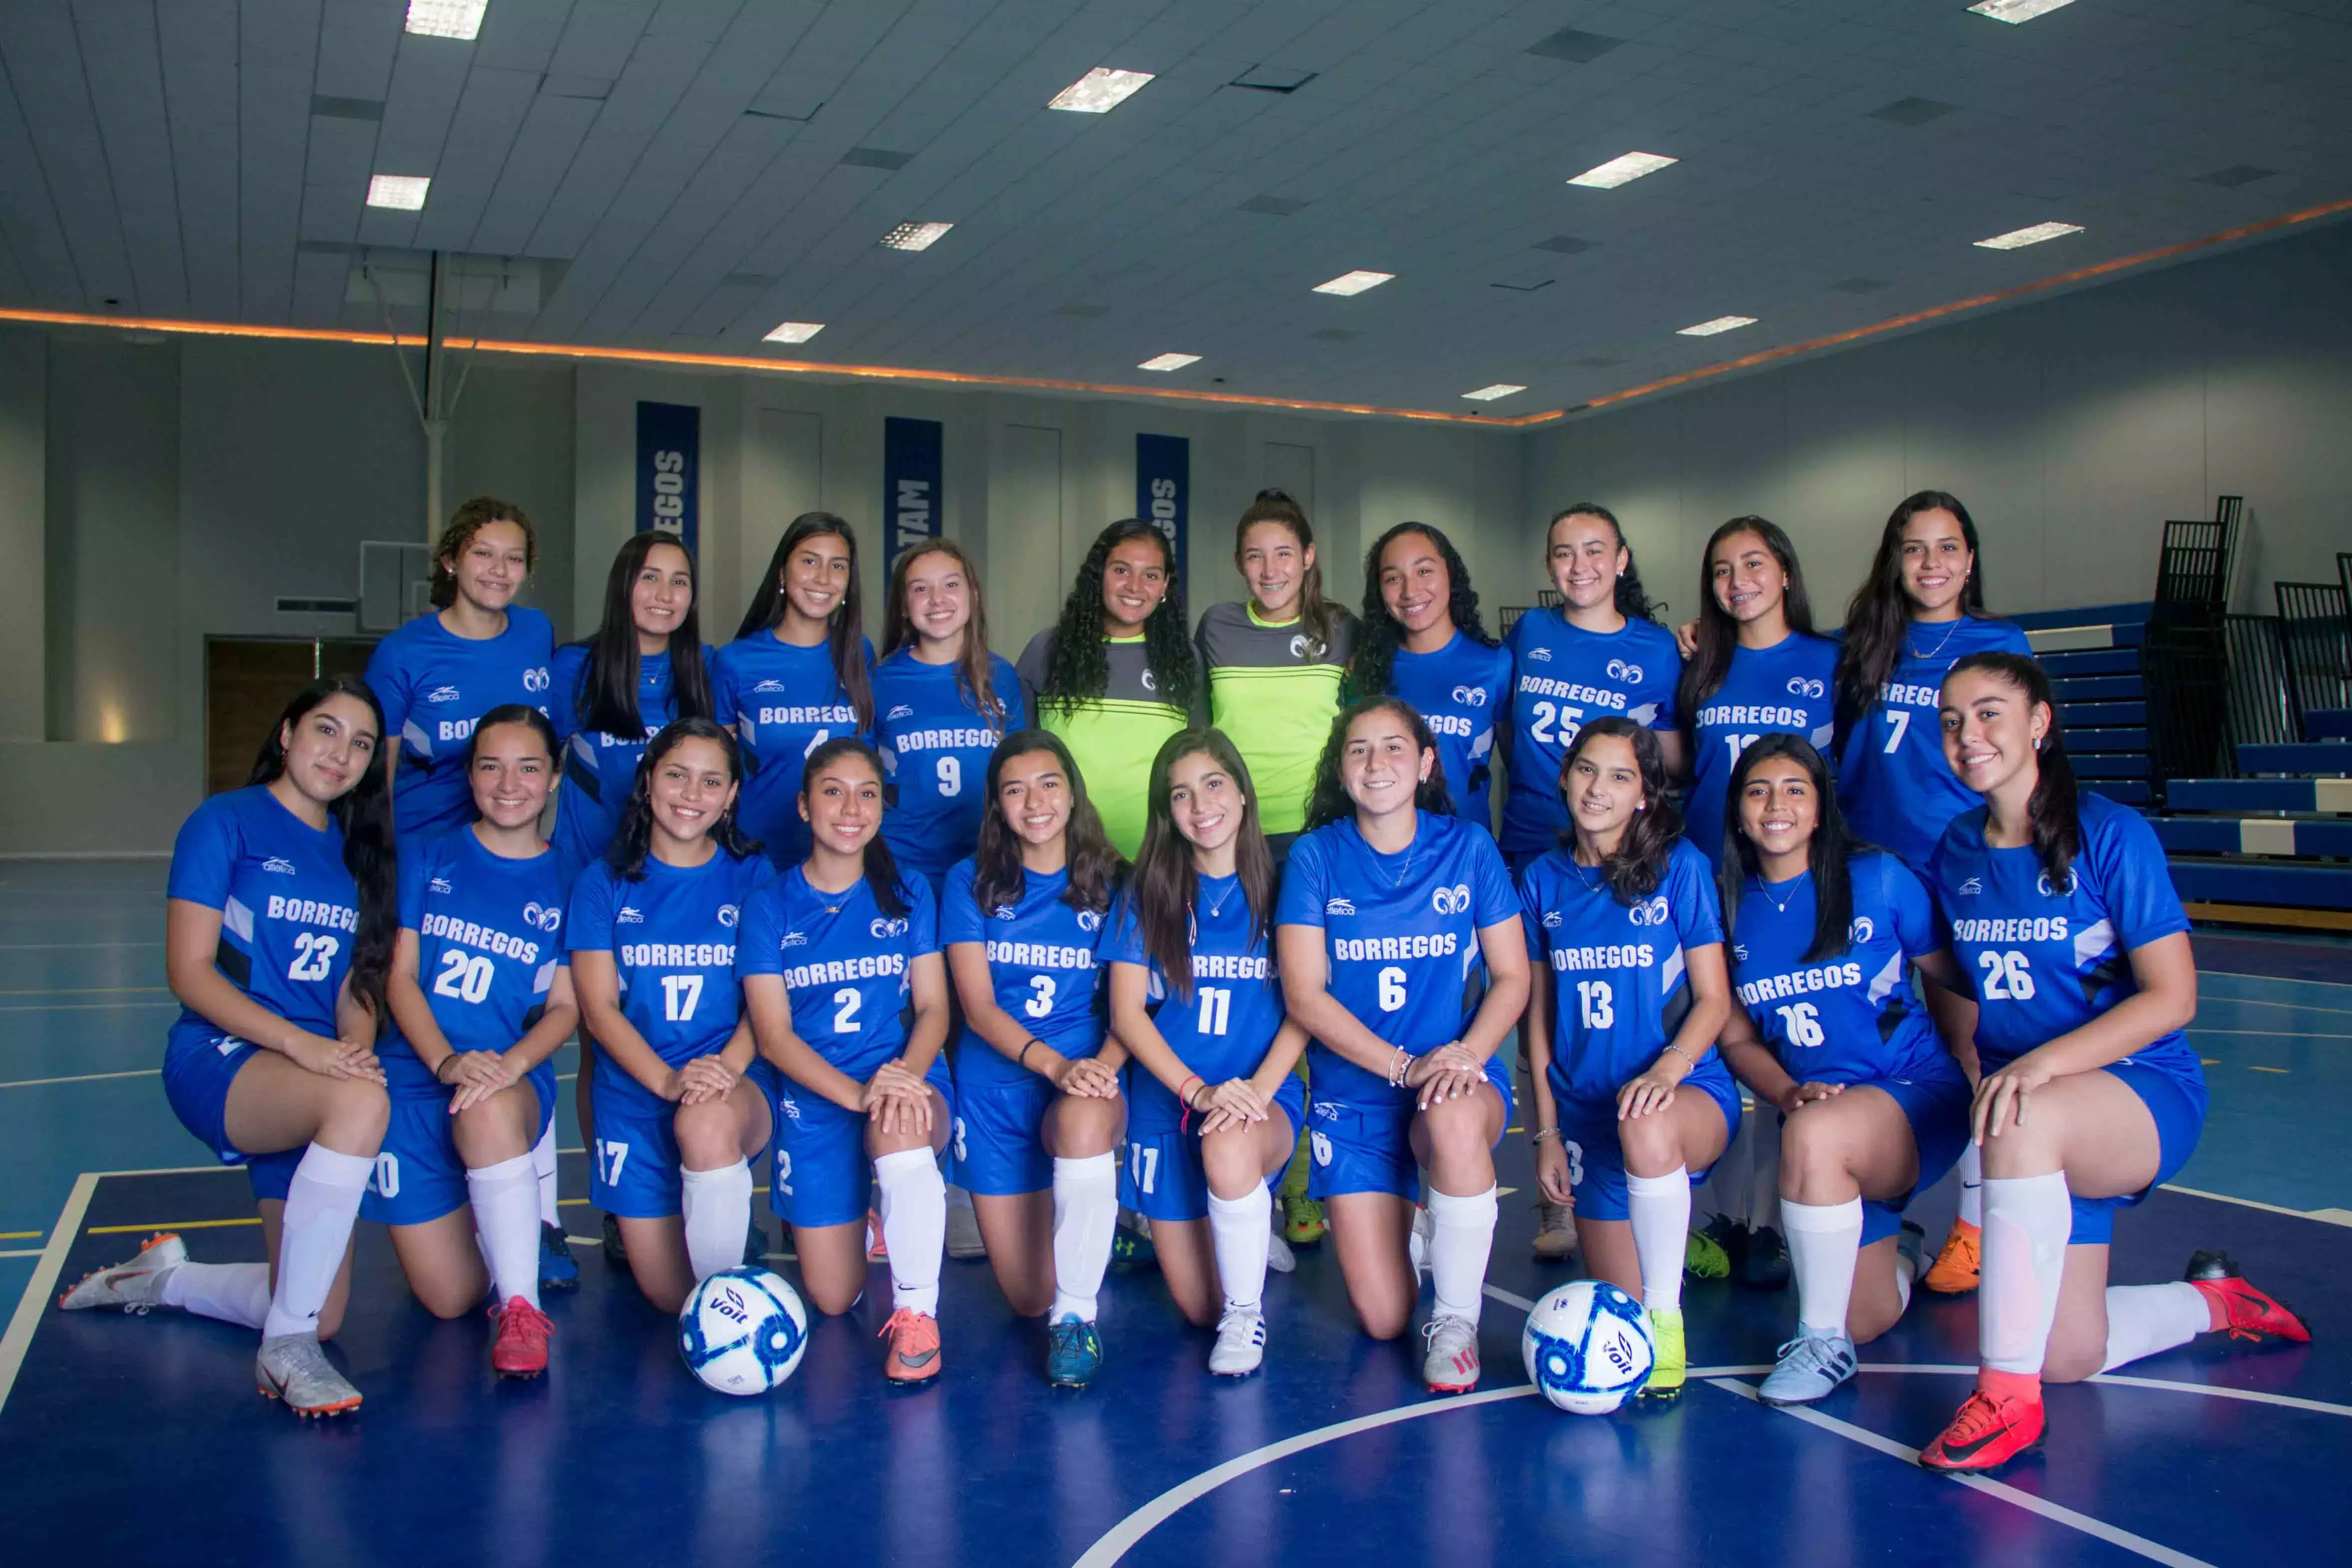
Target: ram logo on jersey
(2041,884)
(1470,695)
(441,884)
(535,679)
(1801,686)
(1452,900)
(727,914)
(888,926)
(1089,919)
(1652,912)
(1631,674)
(1339,907)
(546,917)
(281,865)
(1861,931)
(1150,684)
(441,694)
(628,916)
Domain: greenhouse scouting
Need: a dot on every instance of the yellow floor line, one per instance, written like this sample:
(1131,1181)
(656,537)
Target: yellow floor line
(175,1224)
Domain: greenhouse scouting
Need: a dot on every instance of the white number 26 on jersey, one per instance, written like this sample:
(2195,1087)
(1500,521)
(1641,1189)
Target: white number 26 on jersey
(2008,976)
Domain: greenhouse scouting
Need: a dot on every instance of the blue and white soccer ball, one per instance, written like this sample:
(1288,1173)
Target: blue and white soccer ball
(742,1331)
(1588,1347)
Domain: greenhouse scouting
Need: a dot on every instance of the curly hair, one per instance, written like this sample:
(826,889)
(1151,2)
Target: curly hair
(467,521)
(1330,801)
(1094,865)
(1080,670)
(1632,600)
(1638,864)
(1376,645)
(633,840)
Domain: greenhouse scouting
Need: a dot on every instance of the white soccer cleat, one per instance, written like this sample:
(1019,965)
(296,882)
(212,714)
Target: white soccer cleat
(294,1368)
(1240,1342)
(1452,1364)
(133,1287)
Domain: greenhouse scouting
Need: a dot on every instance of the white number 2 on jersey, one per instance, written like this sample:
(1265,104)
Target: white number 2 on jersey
(679,994)
(1595,1004)
(313,955)
(2008,977)
(844,1011)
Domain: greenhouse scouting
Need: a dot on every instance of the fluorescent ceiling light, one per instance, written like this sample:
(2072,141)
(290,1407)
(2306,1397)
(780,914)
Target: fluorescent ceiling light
(402,193)
(2017,10)
(1353,282)
(1099,92)
(1720,324)
(914,235)
(1168,362)
(1488,394)
(445,18)
(2035,235)
(1623,171)
(794,332)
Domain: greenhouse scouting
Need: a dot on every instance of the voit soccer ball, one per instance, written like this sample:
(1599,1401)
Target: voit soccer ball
(1588,1347)
(742,1331)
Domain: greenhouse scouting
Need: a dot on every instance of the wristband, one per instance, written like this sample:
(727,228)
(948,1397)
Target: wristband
(444,1062)
(1184,1090)
(1021,1060)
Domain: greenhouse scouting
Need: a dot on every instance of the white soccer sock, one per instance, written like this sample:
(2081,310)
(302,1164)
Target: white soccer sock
(2144,1318)
(542,1166)
(1971,1183)
(1086,1215)
(913,1198)
(716,1207)
(1461,1236)
(1659,1208)
(233,1292)
(502,1197)
(1824,1241)
(1241,1235)
(2026,1223)
(321,1204)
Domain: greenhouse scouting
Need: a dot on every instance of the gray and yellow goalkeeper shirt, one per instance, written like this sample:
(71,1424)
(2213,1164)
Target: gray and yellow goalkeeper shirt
(1273,690)
(1113,737)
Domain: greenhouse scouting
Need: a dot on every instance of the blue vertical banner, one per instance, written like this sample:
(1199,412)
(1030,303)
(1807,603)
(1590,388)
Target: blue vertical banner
(911,476)
(670,471)
(1163,488)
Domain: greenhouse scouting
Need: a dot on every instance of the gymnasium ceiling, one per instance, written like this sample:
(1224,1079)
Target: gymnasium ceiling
(683,175)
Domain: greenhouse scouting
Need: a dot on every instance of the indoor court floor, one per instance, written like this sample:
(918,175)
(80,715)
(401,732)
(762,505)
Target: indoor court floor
(142,1439)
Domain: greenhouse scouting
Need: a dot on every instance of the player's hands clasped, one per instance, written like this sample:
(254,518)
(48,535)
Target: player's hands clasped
(703,1079)
(475,1076)
(1803,1094)
(1450,1072)
(1086,1078)
(335,1058)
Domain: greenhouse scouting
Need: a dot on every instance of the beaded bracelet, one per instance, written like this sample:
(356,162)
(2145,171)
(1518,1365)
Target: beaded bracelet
(1399,1066)
(1541,1133)
(1684,1054)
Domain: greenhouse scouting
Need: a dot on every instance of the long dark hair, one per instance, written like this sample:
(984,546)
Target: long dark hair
(633,840)
(2055,807)
(881,869)
(974,678)
(1376,645)
(1331,803)
(364,814)
(846,625)
(467,521)
(1878,617)
(1080,669)
(1094,865)
(608,699)
(1632,600)
(1638,865)
(1834,844)
(1718,634)
(1165,887)
(1315,613)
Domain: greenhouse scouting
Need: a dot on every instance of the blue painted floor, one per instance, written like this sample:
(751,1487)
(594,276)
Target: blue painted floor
(145,1431)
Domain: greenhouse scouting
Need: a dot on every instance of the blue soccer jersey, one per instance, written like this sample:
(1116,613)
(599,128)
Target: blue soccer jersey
(2043,960)
(1461,691)
(782,701)
(1895,788)
(289,908)
(1563,677)
(1790,688)
(935,750)
(1224,1027)
(845,964)
(435,687)
(489,942)
(1042,956)
(1400,936)
(1618,971)
(600,769)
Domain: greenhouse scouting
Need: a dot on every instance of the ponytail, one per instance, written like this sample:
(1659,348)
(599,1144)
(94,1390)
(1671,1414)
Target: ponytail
(2054,809)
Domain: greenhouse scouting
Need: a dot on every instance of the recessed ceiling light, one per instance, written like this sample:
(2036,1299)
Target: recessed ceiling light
(794,332)
(1168,362)
(1720,324)
(445,18)
(1622,170)
(1099,92)
(914,235)
(2017,10)
(1488,394)
(2035,235)
(1353,282)
(402,193)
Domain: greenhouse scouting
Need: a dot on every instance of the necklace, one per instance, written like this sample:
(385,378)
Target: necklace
(1800,879)
(1938,647)
(1583,876)
(1223,899)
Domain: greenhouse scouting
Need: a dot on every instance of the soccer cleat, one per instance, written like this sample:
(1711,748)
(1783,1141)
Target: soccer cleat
(1555,1231)
(558,1270)
(1668,1365)
(876,1249)
(1278,1256)
(616,1251)
(1706,1253)
(1132,1249)
(1416,1241)
(1989,1431)
(520,1348)
(133,1287)
(1452,1364)
(1809,1366)
(963,1232)
(1074,1352)
(1303,1224)
(2247,1313)
(1954,1270)
(1764,1261)
(1240,1342)
(913,1355)
(294,1368)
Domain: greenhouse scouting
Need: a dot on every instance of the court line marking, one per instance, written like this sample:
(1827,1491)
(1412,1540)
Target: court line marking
(87,1006)
(2268,1034)
(2267,1002)
(2322,1216)
(23,1252)
(69,946)
(2281,979)
(84,1078)
(87,991)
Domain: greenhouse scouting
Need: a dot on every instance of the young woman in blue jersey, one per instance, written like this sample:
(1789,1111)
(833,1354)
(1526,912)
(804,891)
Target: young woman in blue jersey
(1872,1107)
(1632,1104)
(1196,1001)
(482,998)
(1391,911)
(681,1109)
(278,935)
(1038,1108)
(439,673)
(848,997)
(941,703)
(2063,920)
(799,672)
(1597,653)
